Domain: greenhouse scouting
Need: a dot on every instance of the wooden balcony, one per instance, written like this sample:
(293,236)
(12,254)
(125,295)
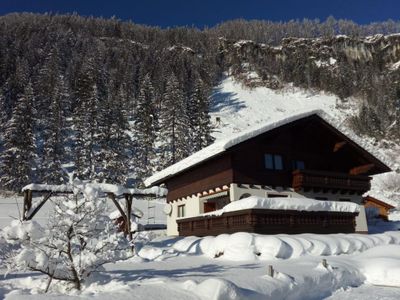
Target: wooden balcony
(267,221)
(328,181)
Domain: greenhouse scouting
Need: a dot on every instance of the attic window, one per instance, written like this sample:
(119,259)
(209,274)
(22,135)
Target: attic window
(273,161)
(298,165)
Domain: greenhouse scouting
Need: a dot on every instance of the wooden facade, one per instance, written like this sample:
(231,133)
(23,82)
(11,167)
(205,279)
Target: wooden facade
(332,162)
(265,221)
(383,207)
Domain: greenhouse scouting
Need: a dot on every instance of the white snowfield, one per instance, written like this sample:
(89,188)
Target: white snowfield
(235,267)
(286,203)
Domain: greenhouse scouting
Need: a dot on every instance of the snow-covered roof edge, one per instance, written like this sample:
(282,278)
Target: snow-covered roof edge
(380,197)
(224,144)
(115,189)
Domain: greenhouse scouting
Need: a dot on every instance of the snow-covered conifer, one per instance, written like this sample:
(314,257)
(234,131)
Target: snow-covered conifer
(199,116)
(54,136)
(144,128)
(173,124)
(18,156)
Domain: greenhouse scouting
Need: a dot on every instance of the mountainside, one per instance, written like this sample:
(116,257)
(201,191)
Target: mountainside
(365,68)
(117,101)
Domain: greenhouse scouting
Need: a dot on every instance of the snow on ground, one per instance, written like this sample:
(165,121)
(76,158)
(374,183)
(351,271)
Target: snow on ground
(183,271)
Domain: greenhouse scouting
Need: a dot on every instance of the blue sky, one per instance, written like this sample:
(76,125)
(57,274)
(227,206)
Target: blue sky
(201,13)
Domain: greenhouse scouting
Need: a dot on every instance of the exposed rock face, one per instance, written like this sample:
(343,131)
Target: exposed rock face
(368,68)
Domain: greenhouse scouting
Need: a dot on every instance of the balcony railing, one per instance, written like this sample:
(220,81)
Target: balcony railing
(267,221)
(317,180)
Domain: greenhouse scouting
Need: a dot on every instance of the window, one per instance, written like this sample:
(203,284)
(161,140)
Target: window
(277,195)
(344,200)
(273,162)
(298,165)
(181,211)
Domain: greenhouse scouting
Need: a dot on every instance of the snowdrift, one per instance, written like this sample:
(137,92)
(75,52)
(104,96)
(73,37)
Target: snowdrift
(244,246)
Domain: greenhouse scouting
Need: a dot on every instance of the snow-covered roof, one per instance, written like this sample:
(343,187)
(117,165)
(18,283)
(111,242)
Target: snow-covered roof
(222,145)
(103,187)
(380,196)
(286,203)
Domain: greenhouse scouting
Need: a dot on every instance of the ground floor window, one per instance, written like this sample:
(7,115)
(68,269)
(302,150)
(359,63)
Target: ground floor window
(181,211)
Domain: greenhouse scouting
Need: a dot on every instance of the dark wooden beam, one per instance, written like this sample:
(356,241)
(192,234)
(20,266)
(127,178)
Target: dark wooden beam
(121,211)
(339,145)
(25,205)
(37,208)
(128,204)
(361,169)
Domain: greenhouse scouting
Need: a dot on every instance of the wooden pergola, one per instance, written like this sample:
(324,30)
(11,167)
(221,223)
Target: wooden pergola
(112,191)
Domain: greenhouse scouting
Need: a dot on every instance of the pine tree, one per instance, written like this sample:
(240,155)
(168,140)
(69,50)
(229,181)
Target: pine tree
(3,114)
(113,139)
(19,143)
(86,123)
(174,123)
(144,128)
(54,135)
(199,116)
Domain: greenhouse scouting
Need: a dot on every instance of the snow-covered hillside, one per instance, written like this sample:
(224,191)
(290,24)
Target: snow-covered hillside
(238,107)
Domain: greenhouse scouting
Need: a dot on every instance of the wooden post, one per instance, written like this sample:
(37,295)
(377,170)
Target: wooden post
(271,271)
(128,202)
(121,211)
(27,204)
(324,263)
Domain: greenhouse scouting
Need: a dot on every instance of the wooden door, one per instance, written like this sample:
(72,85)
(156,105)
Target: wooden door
(209,206)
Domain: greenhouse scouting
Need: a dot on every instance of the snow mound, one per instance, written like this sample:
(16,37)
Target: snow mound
(286,203)
(381,265)
(219,289)
(244,246)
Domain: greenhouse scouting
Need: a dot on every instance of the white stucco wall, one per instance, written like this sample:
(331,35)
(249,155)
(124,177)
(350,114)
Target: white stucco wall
(192,209)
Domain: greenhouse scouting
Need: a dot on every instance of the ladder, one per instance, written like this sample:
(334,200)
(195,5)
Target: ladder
(151,211)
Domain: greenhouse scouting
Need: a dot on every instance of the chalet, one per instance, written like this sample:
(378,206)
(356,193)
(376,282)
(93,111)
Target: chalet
(305,155)
(383,207)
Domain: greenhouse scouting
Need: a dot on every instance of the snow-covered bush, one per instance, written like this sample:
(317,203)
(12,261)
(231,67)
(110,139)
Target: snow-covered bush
(77,241)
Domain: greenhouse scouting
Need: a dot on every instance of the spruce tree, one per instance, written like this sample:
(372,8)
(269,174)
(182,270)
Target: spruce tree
(86,122)
(3,114)
(17,159)
(144,128)
(174,124)
(54,136)
(113,139)
(199,116)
